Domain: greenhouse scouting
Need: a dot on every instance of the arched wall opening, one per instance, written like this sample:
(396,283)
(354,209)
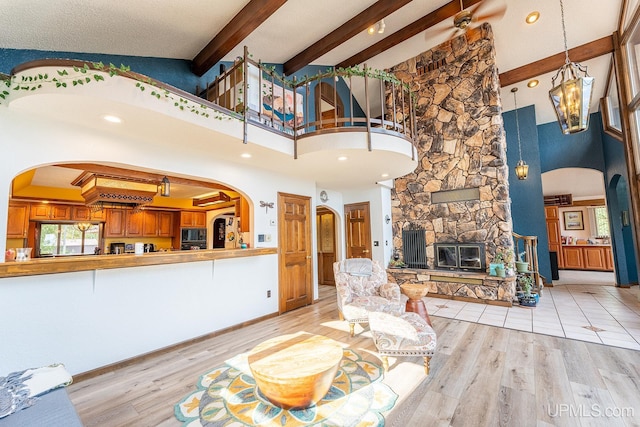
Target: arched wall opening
(46,198)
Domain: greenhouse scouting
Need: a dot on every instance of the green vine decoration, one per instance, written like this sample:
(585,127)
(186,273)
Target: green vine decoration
(92,74)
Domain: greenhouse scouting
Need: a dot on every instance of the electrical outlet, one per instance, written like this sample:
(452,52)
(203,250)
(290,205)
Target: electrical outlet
(269,293)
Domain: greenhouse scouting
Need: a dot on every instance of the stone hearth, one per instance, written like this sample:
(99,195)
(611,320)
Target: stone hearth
(462,151)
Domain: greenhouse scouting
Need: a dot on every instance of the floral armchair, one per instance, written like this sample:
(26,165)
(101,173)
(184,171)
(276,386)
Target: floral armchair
(362,287)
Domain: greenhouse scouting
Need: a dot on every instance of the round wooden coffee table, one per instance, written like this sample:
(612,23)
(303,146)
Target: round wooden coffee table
(415,292)
(295,371)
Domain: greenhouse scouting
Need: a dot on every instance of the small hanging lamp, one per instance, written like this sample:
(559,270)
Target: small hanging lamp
(572,97)
(165,187)
(522,169)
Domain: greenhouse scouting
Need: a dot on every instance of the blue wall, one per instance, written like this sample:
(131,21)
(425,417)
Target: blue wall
(545,148)
(176,72)
(617,202)
(580,150)
(527,203)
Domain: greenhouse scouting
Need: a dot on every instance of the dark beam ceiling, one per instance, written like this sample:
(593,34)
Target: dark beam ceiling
(415,28)
(247,20)
(581,53)
(349,29)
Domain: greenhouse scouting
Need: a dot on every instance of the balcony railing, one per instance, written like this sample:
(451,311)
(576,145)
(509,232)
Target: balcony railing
(354,99)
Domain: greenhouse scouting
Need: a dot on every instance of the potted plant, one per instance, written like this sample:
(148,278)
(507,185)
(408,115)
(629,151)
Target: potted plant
(526,283)
(498,265)
(522,266)
(396,263)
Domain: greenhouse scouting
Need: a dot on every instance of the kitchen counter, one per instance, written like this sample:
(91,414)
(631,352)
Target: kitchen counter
(37,266)
(587,257)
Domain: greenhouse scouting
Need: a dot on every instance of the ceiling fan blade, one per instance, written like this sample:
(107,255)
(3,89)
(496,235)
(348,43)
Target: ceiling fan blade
(496,14)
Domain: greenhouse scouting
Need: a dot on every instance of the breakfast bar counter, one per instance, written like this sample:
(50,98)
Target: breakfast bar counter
(36,266)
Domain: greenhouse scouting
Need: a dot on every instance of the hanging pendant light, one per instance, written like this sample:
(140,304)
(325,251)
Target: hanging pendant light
(522,169)
(572,97)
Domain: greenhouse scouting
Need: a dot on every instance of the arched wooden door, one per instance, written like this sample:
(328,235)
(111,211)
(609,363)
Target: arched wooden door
(294,241)
(326,230)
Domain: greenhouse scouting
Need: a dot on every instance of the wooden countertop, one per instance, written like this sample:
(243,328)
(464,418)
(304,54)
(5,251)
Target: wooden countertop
(68,264)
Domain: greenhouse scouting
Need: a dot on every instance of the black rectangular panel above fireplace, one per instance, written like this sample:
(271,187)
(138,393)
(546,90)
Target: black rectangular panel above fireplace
(460,256)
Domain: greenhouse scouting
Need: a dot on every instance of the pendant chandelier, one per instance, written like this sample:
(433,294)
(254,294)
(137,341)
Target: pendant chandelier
(572,97)
(522,169)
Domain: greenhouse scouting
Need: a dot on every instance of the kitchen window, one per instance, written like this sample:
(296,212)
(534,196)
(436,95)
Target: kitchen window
(56,239)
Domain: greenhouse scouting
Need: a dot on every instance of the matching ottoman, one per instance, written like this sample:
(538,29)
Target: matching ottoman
(406,334)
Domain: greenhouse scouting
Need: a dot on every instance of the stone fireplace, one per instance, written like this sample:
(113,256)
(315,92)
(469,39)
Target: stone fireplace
(459,193)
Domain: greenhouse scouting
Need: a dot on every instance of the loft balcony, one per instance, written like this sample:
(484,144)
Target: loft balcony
(298,128)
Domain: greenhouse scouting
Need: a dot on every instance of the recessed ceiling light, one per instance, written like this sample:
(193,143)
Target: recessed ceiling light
(112,119)
(532,17)
(385,175)
(533,83)
(342,158)
(245,155)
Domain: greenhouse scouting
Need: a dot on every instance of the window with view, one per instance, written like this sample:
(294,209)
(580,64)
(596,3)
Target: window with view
(67,239)
(601,221)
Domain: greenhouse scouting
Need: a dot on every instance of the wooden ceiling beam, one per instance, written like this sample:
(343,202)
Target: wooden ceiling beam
(248,19)
(349,29)
(141,175)
(581,53)
(415,28)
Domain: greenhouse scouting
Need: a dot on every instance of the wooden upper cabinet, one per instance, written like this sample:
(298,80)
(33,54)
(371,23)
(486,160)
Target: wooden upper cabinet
(115,223)
(193,219)
(18,221)
(50,212)
(165,224)
(134,221)
(551,212)
(81,213)
(150,224)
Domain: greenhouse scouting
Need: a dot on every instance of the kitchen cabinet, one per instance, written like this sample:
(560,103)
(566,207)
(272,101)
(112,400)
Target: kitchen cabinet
(554,238)
(165,224)
(150,224)
(608,254)
(50,212)
(134,224)
(85,213)
(18,221)
(242,212)
(193,219)
(115,224)
(572,258)
(587,257)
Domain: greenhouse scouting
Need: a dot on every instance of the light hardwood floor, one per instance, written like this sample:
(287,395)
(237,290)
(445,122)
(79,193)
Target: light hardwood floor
(480,376)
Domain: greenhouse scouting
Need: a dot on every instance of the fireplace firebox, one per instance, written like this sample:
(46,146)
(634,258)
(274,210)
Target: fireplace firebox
(460,256)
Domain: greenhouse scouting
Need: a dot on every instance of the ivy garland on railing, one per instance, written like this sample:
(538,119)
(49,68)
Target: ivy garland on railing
(92,74)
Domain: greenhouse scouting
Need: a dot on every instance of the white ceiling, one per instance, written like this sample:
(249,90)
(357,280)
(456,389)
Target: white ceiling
(581,183)
(180,29)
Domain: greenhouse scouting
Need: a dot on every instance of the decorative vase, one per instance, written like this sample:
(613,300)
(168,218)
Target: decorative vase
(500,271)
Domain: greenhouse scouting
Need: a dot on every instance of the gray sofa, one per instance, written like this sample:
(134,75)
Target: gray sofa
(52,409)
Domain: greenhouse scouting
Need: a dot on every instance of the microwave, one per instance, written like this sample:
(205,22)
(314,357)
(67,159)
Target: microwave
(194,235)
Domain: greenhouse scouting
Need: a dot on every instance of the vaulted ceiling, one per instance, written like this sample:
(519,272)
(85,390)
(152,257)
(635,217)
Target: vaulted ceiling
(328,32)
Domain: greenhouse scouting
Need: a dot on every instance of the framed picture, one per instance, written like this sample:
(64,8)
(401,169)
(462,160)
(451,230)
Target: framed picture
(573,220)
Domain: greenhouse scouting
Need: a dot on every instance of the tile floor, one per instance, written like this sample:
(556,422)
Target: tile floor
(582,305)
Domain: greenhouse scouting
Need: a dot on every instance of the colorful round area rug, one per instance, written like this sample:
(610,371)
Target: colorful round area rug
(228,396)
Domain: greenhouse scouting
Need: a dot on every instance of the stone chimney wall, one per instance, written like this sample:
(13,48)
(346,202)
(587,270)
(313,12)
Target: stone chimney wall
(461,145)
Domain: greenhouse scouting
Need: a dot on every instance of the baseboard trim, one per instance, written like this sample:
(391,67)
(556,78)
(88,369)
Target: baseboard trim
(155,353)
